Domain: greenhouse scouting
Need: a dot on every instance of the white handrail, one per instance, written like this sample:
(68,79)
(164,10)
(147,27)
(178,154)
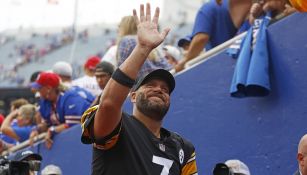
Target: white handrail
(203,57)
(214,50)
(24,144)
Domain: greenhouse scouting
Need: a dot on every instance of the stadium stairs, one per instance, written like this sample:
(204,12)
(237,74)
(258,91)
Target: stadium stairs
(263,132)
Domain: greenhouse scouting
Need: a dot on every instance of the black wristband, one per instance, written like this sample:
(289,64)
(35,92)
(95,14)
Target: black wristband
(123,79)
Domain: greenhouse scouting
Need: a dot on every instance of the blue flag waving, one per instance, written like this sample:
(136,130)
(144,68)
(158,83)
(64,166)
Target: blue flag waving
(251,76)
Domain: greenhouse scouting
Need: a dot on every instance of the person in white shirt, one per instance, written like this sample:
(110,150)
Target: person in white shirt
(88,81)
(64,70)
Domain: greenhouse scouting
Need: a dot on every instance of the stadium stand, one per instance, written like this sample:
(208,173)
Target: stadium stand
(262,132)
(96,43)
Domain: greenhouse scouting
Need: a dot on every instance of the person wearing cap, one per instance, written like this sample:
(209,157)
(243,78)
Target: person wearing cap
(103,73)
(214,24)
(231,167)
(33,78)
(88,81)
(51,170)
(17,126)
(64,70)
(301,156)
(185,42)
(24,160)
(137,144)
(222,169)
(59,108)
(238,167)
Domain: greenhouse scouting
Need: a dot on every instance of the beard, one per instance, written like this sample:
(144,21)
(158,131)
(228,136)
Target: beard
(151,109)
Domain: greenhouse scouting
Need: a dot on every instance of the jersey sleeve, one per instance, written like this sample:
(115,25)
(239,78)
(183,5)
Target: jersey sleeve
(88,137)
(73,109)
(190,167)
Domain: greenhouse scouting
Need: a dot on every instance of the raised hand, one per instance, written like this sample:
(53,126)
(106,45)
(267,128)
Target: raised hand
(148,34)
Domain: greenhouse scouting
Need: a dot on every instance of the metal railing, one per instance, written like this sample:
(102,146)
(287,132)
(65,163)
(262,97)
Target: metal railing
(24,144)
(206,55)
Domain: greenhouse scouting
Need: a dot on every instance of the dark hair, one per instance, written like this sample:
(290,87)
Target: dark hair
(34,76)
(105,67)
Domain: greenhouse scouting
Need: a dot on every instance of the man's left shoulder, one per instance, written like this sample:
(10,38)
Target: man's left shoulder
(183,141)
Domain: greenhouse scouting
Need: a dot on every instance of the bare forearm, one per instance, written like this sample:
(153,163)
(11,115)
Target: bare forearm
(197,45)
(7,121)
(60,128)
(109,111)
(6,126)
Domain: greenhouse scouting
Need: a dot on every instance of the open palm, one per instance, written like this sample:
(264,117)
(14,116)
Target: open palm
(148,34)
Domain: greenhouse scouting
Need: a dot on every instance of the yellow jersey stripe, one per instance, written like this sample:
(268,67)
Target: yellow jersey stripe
(190,167)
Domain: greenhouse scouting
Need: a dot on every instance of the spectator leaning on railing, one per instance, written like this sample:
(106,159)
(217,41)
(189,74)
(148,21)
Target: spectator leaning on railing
(59,108)
(18,130)
(214,24)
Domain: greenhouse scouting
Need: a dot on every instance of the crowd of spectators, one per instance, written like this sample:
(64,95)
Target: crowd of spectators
(63,100)
(5,39)
(28,52)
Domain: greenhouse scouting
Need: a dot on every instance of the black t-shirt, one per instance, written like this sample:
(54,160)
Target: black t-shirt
(132,149)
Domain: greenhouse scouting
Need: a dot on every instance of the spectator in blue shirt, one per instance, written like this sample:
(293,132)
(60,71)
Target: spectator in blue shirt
(214,24)
(14,131)
(59,108)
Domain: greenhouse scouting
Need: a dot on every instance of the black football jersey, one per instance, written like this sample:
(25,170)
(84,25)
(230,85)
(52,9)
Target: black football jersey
(132,149)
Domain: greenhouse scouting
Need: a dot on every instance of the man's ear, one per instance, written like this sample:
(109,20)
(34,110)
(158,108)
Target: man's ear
(133,97)
(300,158)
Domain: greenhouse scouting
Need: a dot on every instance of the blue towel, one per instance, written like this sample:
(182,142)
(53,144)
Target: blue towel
(234,49)
(251,76)
(237,88)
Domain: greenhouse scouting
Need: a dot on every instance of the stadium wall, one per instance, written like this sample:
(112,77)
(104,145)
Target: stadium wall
(262,132)
(7,95)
